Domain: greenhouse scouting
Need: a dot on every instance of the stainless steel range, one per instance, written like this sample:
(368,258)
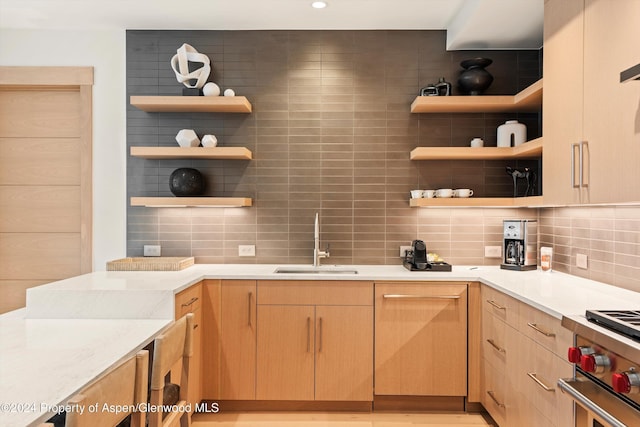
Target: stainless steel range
(606,387)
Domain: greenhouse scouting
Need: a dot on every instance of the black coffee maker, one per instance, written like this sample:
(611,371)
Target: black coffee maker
(417,260)
(418,255)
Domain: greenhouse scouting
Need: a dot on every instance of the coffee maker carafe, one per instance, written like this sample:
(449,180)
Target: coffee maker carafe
(520,244)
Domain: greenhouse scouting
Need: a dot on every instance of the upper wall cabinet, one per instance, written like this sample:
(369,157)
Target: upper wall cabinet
(192,104)
(591,121)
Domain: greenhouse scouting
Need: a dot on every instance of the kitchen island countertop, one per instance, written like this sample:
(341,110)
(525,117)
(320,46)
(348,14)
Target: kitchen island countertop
(73,330)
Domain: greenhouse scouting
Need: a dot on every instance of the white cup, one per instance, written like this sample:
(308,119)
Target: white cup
(429,194)
(477,142)
(463,192)
(416,194)
(444,192)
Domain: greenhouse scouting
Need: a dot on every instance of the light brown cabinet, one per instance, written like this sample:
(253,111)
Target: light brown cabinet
(591,141)
(189,301)
(315,341)
(523,357)
(421,338)
(238,340)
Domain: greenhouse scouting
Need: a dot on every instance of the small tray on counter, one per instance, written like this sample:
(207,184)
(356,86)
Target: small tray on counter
(150,264)
(431,266)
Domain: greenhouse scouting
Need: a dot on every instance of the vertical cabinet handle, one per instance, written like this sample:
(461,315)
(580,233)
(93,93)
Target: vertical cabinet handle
(580,182)
(320,333)
(249,309)
(308,334)
(574,183)
(583,144)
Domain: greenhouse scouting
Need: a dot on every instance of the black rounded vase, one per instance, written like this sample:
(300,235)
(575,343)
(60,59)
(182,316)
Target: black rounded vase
(185,182)
(475,79)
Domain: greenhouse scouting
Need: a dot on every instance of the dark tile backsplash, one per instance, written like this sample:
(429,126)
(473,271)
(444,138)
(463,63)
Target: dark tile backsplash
(330,132)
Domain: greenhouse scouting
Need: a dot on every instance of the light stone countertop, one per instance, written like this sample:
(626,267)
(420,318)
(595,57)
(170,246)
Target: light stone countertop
(75,329)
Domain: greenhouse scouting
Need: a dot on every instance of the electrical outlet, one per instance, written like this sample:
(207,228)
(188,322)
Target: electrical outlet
(151,250)
(582,261)
(246,250)
(492,252)
(403,250)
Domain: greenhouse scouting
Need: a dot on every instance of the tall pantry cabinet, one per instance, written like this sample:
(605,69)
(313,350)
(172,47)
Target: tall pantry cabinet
(591,121)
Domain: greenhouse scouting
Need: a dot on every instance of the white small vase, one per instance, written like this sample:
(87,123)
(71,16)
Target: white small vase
(511,134)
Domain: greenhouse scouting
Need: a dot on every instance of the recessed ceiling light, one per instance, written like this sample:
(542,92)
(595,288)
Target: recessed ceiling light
(319,4)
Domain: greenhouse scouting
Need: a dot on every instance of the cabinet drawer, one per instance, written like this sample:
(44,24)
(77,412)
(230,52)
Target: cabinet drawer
(189,300)
(494,397)
(500,305)
(494,343)
(542,389)
(314,292)
(544,329)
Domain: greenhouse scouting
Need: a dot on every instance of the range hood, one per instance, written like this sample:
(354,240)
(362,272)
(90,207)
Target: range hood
(632,73)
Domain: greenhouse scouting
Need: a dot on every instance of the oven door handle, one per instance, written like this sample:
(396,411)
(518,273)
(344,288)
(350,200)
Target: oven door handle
(584,401)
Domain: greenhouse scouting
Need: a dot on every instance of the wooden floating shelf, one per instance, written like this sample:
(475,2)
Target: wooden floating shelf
(527,150)
(230,153)
(528,100)
(532,201)
(192,104)
(210,202)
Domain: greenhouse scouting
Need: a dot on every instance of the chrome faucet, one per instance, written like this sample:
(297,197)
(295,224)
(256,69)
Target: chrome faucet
(317,253)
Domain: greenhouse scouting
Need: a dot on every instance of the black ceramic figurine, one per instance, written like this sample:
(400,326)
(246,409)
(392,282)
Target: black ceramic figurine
(185,182)
(528,175)
(475,79)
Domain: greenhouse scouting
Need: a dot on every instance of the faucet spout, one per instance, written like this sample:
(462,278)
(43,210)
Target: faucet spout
(317,253)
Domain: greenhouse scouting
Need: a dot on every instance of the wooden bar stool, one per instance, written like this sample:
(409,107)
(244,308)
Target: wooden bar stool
(124,387)
(174,345)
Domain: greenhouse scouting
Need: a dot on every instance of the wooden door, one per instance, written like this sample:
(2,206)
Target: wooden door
(421,339)
(285,357)
(45,177)
(190,301)
(238,340)
(563,99)
(344,353)
(612,109)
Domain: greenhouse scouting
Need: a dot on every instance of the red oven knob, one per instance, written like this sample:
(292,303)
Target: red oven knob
(626,382)
(595,363)
(574,355)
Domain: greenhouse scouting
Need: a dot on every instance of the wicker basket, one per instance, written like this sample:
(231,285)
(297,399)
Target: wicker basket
(150,264)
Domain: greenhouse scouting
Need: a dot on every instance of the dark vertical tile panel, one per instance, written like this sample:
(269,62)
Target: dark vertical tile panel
(331,133)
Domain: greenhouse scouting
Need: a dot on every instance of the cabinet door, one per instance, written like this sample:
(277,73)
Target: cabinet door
(344,353)
(563,99)
(238,340)
(285,357)
(611,108)
(421,339)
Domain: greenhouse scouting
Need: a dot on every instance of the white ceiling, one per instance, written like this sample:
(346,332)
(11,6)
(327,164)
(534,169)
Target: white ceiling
(470,24)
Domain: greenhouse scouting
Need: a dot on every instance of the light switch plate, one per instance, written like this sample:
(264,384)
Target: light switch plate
(492,252)
(582,261)
(152,250)
(246,250)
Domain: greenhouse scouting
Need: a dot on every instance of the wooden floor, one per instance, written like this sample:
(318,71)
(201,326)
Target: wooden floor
(318,419)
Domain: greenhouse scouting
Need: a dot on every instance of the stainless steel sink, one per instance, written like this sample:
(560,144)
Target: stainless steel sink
(316,270)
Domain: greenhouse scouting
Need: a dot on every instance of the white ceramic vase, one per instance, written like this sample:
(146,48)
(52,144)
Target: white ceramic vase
(511,134)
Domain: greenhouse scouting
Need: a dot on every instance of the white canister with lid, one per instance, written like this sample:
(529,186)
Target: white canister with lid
(511,131)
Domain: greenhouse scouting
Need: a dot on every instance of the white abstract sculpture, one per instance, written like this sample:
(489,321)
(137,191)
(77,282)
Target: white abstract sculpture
(180,64)
(187,138)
